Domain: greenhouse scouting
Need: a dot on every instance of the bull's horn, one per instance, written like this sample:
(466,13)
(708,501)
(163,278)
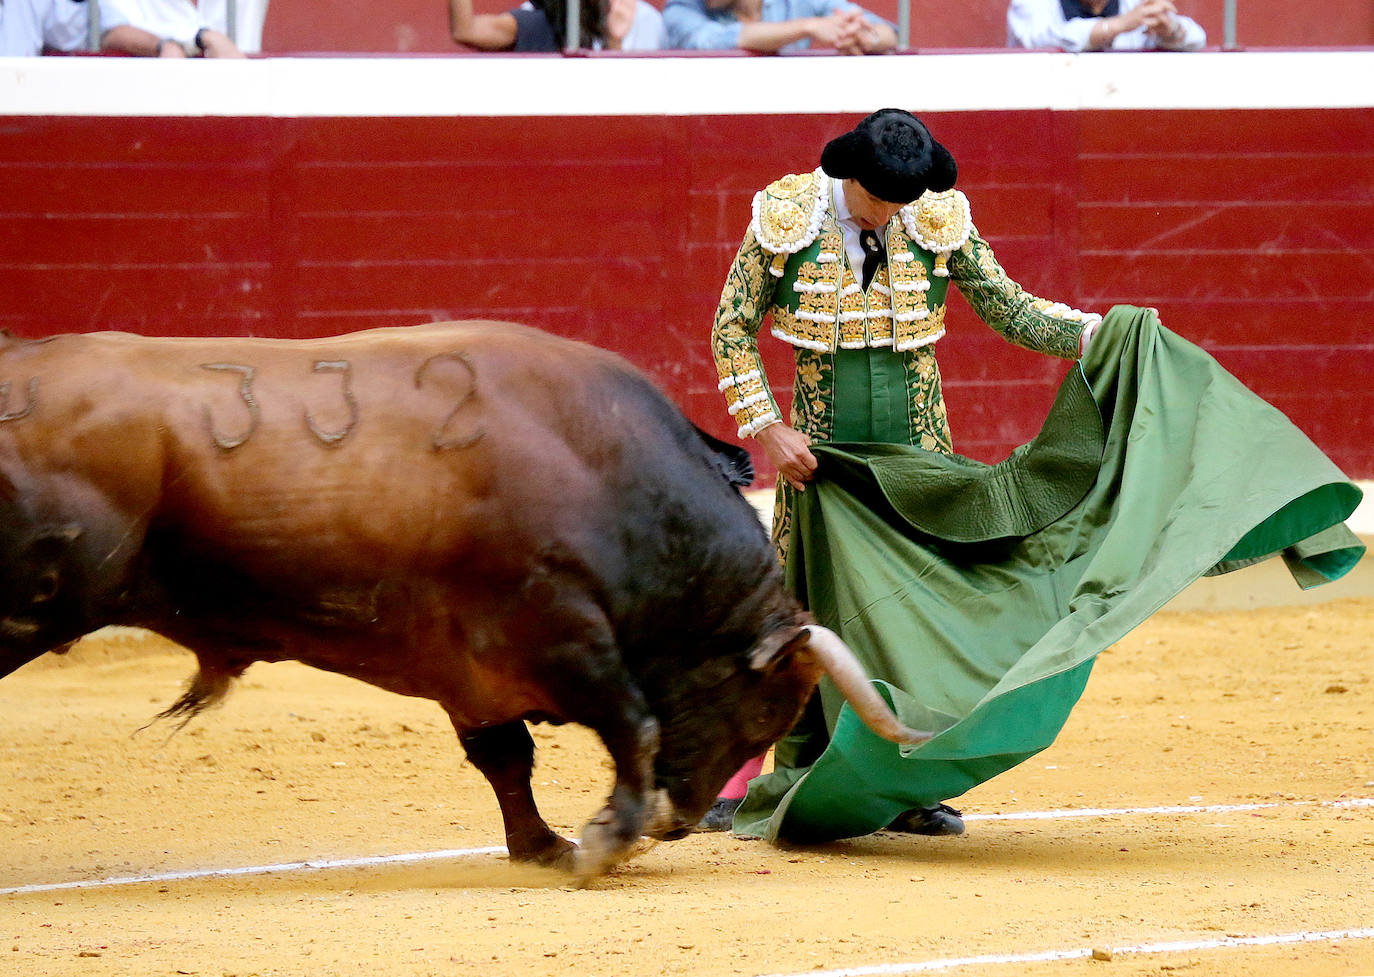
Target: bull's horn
(849,677)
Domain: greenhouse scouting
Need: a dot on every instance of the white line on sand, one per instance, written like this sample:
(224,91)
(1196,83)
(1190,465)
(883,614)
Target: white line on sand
(1178,946)
(1112,812)
(323,864)
(313,865)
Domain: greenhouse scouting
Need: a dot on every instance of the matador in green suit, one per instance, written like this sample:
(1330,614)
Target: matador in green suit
(852,262)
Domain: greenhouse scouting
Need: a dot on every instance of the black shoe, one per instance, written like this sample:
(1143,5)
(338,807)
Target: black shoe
(722,814)
(939,820)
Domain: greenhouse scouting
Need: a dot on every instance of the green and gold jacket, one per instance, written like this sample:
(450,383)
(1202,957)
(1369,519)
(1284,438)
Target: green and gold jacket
(793,264)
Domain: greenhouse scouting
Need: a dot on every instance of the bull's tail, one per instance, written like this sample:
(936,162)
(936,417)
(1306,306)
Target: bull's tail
(208,688)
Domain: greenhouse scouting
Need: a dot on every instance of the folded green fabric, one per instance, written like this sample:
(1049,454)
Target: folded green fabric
(978,596)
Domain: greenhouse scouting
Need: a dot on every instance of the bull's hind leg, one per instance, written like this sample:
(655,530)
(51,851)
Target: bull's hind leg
(505,755)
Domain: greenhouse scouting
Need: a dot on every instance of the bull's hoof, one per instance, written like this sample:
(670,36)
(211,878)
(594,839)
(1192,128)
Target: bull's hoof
(557,852)
(603,846)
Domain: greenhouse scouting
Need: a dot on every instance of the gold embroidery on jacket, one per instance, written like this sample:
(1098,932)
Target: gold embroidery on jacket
(788,212)
(918,320)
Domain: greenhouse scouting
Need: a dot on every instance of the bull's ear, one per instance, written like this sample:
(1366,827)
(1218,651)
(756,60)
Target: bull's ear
(60,536)
(777,647)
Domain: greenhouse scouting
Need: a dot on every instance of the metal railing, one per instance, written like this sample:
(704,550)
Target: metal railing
(573,26)
(93,31)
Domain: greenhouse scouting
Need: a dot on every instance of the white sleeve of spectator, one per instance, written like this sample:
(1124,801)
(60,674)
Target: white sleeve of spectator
(647,31)
(1041,24)
(65,25)
(1194,37)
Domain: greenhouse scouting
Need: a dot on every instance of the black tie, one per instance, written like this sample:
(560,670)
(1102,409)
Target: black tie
(874,254)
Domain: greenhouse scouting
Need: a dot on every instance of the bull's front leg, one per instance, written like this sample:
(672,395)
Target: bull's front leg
(593,688)
(633,806)
(505,756)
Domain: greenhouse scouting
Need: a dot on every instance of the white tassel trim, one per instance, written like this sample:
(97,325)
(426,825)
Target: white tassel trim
(904,256)
(921,286)
(798,341)
(806,315)
(826,257)
(881,289)
(815,287)
(851,290)
(918,342)
(743,378)
(859,316)
(915,315)
(758,424)
(750,401)
(1061,311)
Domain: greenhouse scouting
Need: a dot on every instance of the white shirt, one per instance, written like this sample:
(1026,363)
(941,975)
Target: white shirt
(181,19)
(27,26)
(850,228)
(646,32)
(1041,24)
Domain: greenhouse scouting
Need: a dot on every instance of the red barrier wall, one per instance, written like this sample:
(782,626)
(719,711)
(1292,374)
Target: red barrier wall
(1250,230)
(409,26)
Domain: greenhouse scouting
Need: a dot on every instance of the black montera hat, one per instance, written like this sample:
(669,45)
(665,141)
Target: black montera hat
(892,155)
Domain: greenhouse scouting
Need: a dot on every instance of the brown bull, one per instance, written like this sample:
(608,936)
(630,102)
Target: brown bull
(519,527)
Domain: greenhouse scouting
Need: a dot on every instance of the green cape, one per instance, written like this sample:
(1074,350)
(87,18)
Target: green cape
(978,596)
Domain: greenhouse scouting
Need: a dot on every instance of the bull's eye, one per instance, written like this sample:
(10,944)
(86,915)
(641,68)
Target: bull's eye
(45,588)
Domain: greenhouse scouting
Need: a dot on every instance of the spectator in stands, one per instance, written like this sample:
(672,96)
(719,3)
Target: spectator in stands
(171,29)
(540,26)
(1102,25)
(29,26)
(770,26)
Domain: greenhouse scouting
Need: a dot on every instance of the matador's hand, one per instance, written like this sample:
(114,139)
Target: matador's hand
(790,452)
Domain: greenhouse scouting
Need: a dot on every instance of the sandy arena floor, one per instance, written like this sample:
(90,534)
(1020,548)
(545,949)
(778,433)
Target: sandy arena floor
(1258,720)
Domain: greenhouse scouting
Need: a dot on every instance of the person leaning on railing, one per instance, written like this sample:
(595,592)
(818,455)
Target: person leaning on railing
(770,26)
(540,25)
(29,26)
(166,29)
(1102,25)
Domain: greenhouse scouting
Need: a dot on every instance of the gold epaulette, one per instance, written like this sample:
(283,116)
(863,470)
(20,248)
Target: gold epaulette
(788,212)
(940,223)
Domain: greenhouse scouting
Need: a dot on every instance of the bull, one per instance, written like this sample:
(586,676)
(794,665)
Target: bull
(517,526)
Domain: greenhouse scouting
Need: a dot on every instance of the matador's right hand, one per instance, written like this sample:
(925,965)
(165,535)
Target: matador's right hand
(790,452)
